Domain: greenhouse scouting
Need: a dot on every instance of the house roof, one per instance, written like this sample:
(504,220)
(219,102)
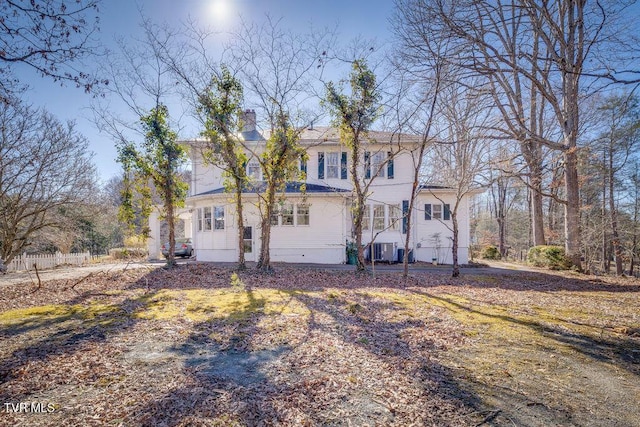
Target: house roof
(434,187)
(291,187)
(322,134)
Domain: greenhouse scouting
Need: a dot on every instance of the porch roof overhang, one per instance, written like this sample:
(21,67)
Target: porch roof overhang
(426,188)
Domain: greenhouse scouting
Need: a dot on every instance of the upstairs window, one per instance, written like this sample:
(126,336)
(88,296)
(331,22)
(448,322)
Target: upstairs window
(437,211)
(333,165)
(378,163)
(253,170)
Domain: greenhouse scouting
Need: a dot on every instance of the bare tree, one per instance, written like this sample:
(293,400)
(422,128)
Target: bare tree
(45,166)
(277,70)
(49,36)
(533,56)
(460,159)
(419,60)
(618,138)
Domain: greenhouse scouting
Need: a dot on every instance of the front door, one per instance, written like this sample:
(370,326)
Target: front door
(248,244)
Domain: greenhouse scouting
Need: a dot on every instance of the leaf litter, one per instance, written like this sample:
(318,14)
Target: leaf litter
(204,345)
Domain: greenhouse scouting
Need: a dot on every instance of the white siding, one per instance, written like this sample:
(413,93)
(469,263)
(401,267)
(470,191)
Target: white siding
(323,240)
(426,230)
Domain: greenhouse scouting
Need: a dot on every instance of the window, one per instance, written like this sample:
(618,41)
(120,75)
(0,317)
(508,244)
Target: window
(302,214)
(333,165)
(199,219)
(378,217)
(303,166)
(207,219)
(437,211)
(275,214)
(253,170)
(218,215)
(366,217)
(377,163)
(395,215)
(286,213)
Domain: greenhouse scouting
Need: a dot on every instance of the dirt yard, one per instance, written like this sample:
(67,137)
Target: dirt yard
(204,346)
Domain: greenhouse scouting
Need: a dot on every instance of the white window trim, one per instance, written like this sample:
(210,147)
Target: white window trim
(395,226)
(254,164)
(277,213)
(328,164)
(308,215)
(209,226)
(215,219)
(378,218)
(374,165)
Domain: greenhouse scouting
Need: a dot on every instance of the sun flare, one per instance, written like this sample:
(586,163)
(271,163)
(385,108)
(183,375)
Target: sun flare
(220,11)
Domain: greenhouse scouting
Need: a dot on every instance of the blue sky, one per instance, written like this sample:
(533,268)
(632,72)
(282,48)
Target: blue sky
(353,18)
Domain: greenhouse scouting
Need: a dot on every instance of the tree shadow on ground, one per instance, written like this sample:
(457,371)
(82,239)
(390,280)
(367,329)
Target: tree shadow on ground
(618,351)
(544,282)
(307,380)
(239,378)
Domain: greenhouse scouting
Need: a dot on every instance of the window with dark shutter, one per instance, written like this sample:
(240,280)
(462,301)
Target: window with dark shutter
(447,212)
(303,166)
(320,165)
(390,165)
(367,165)
(405,211)
(343,166)
(427,212)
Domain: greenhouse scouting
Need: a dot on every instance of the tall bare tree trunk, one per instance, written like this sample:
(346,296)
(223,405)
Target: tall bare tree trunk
(264,261)
(613,212)
(240,223)
(537,215)
(454,244)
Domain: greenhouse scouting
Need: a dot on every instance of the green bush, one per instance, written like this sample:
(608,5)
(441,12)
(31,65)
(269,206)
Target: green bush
(490,252)
(551,257)
(127,253)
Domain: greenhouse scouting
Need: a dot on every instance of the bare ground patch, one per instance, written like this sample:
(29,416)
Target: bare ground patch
(194,347)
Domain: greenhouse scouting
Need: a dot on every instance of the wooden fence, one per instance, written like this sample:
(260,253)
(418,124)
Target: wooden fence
(27,262)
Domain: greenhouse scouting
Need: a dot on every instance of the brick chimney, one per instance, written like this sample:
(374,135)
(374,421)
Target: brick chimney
(248,121)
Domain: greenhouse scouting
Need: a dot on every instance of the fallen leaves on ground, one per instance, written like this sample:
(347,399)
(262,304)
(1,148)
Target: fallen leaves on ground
(196,345)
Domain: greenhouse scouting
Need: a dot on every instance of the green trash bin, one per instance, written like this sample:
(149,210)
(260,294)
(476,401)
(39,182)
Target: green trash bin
(352,258)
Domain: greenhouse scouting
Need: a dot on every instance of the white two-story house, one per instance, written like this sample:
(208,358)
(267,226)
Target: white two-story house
(314,226)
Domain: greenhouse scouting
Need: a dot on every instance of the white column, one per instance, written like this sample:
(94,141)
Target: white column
(154,243)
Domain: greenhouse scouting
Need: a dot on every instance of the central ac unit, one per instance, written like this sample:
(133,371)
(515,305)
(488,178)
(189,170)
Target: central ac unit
(384,252)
